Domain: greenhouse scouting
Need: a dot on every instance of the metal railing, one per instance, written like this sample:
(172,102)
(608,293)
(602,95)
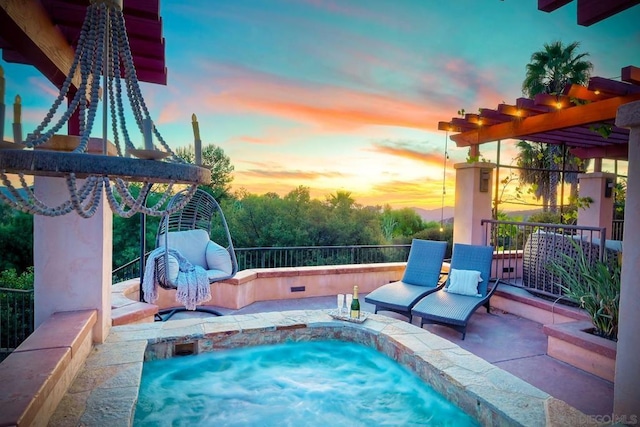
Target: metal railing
(523,251)
(299,256)
(617,229)
(16,318)
(296,256)
(127,271)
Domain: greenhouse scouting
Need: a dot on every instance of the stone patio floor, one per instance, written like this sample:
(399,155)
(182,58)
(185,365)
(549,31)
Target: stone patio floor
(507,341)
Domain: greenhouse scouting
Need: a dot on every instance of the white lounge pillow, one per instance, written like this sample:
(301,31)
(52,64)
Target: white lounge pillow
(464,282)
(192,244)
(218,258)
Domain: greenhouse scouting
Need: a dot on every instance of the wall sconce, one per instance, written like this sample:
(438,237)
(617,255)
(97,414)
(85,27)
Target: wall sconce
(608,188)
(485,175)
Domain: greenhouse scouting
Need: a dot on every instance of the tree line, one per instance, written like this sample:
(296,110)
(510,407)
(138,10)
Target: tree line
(266,220)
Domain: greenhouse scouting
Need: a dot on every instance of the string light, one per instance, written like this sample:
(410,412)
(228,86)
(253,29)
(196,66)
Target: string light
(444,177)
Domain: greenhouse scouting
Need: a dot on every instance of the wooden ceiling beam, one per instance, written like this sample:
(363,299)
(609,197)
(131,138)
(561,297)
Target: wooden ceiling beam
(448,126)
(590,12)
(553,101)
(494,115)
(583,93)
(551,5)
(142,20)
(620,151)
(578,134)
(530,105)
(593,11)
(145,8)
(152,76)
(574,139)
(514,111)
(569,117)
(631,75)
(600,84)
(149,9)
(547,138)
(37,39)
(464,124)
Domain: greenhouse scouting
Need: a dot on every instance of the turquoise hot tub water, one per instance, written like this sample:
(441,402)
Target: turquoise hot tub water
(315,383)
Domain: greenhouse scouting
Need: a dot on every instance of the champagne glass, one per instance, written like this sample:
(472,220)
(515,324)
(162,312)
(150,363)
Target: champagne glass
(340,303)
(349,298)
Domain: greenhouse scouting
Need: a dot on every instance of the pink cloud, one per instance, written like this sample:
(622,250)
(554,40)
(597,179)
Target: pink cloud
(44,86)
(327,106)
(172,112)
(254,140)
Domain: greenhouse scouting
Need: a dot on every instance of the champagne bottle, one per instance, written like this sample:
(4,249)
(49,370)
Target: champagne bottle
(355,304)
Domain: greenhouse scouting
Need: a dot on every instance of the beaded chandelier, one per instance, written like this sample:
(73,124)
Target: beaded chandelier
(102,50)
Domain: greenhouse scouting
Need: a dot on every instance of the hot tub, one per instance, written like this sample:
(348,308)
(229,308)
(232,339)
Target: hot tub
(106,390)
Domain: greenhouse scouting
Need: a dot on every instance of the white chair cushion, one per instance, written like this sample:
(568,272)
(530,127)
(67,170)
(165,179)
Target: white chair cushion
(192,244)
(174,268)
(464,282)
(218,258)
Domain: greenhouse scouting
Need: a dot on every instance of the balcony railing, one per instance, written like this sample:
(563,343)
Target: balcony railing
(16,318)
(296,256)
(267,257)
(617,229)
(518,261)
(525,250)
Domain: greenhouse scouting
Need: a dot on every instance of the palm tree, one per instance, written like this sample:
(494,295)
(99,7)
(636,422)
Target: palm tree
(550,71)
(573,166)
(533,160)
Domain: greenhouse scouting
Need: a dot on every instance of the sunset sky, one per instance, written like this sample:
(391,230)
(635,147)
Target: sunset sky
(346,95)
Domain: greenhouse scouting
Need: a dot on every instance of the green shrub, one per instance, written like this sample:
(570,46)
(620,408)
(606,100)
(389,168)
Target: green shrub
(595,285)
(11,279)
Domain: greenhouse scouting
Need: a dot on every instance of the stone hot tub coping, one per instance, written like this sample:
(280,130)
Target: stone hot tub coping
(106,389)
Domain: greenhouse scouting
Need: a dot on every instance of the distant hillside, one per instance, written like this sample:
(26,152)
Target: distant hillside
(523,213)
(435,214)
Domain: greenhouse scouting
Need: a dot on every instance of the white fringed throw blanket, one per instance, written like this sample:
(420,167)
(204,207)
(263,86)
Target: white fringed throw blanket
(192,282)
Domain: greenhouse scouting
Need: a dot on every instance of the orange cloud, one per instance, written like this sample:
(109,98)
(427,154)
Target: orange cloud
(295,175)
(432,159)
(425,192)
(327,106)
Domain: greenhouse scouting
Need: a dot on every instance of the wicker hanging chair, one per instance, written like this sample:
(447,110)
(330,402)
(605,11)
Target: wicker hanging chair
(188,231)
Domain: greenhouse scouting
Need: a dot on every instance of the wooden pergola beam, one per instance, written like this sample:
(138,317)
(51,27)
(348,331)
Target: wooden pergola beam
(631,75)
(551,5)
(37,39)
(590,11)
(593,11)
(575,116)
(583,93)
(618,151)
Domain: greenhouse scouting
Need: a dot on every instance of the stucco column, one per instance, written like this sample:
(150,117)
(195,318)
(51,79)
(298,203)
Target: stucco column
(72,257)
(599,187)
(626,396)
(472,201)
